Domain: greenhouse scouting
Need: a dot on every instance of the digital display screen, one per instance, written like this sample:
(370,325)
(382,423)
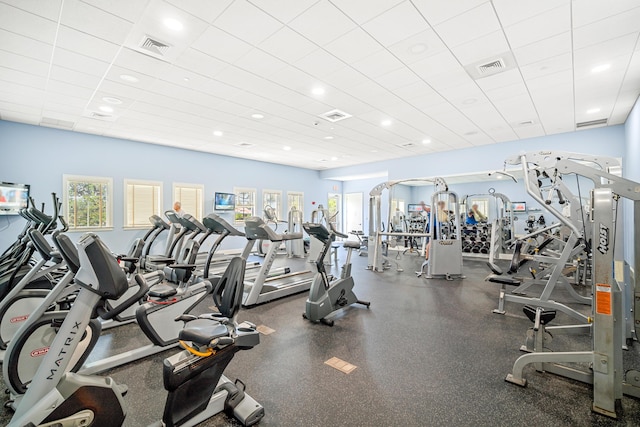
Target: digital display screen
(224,202)
(414,208)
(13,197)
(519,206)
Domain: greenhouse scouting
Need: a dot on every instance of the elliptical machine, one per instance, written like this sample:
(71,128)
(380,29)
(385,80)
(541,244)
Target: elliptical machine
(197,389)
(325,296)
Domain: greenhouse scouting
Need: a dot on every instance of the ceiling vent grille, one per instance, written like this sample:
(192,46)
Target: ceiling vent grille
(407,145)
(491,67)
(335,116)
(154,46)
(245,144)
(591,123)
(55,123)
(96,115)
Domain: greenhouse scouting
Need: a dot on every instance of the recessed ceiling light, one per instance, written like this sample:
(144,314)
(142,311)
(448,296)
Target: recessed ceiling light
(318,91)
(186,79)
(593,110)
(386,122)
(322,160)
(111,100)
(173,24)
(105,108)
(129,78)
(499,176)
(600,68)
(328,137)
(418,48)
(257,116)
(426,141)
(286,148)
(374,151)
(334,158)
(217,133)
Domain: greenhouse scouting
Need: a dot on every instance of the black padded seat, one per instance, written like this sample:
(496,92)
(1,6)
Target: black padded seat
(503,280)
(162,291)
(351,244)
(203,331)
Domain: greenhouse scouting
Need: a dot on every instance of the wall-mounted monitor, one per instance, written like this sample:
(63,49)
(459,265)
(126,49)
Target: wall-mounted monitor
(519,206)
(13,197)
(414,208)
(224,202)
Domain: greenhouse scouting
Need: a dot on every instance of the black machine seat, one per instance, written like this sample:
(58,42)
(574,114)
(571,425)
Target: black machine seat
(162,291)
(219,225)
(203,331)
(546,316)
(351,244)
(256,229)
(498,278)
(43,247)
(67,249)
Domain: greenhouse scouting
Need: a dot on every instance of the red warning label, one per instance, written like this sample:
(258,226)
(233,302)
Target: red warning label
(603,299)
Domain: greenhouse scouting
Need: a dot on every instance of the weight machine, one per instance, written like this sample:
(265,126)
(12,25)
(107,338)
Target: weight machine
(616,306)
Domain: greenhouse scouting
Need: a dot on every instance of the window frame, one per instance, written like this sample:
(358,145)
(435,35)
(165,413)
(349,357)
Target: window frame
(199,212)
(125,201)
(277,208)
(296,193)
(236,191)
(102,180)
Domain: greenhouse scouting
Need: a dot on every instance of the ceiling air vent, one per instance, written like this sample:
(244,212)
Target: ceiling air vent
(407,145)
(55,123)
(245,144)
(491,67)
(591,123)
(153,46)
(335,116)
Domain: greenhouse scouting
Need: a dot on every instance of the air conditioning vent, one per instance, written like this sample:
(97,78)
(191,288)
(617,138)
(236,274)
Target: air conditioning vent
(96,115)
(591,123)
(245,144)
(154,46)
(407,145)
(335,116)
(55,123)
(491,67)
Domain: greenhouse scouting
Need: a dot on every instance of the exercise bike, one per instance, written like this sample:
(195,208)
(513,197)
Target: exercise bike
(327,296)
(193,378)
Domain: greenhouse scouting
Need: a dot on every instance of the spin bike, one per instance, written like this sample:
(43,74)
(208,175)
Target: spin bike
(325,296)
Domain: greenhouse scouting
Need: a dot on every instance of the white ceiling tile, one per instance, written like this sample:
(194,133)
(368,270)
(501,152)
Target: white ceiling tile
(362,11)
(485,47)
(260,62)
(345,77)
(313,23)
(441,81)
(30,119)
(398,78)
(507,92)
(562,80)
(27,24)
(283,10)
(443,10)
(517,109)
(288,45)
(396,24)
(204,9)
(511,12)
(247,22)
(85,44)
(469,25)
(319,64)
(20,108)
(607,28)
(74,61)
(20,94)
(23,64)
(96,22)
(143,64)
(587,12)
(418,47)
(198,62)
(614,52)
(530,131)
(220,45)
(550,23)
(48,9)
(25,46)
(130,10)
(353,46)
(496,81)
(55,86)
(381,62)
(547,66)
(66,75)
(547,48)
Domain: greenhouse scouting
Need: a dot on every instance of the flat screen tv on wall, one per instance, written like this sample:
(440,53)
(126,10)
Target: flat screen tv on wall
(224,201)
(13,197)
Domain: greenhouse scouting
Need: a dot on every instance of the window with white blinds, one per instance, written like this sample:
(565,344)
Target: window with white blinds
(142,199)
(190,197)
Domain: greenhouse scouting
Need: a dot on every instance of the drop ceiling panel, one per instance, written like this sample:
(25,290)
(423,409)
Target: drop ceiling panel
(27,24)
(312,23)
(548,66)
(487,47)
(141,63)
(440,11)
(608,28)
(85,44)
(288,45)
(204,9)
(418,46)
(469,25)
(201,63)
(543,49)
(247,22)
(131,10)
(539,27)
(319,64)
(221,45)
(511,12)
(74,61)
(25,46)
(66,75)
(23,64)
(353,46)
(94,21)
(396,24)
(589,12)
(20,117)
(258,61)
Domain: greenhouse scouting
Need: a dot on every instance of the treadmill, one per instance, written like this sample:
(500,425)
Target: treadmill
(265,288)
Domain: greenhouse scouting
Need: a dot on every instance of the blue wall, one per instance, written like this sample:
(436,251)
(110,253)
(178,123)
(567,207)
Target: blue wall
(39,156)
(631,170)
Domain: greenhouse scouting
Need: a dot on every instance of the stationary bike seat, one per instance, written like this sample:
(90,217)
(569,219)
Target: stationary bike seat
(203,331)
(351,244)
(162,291)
